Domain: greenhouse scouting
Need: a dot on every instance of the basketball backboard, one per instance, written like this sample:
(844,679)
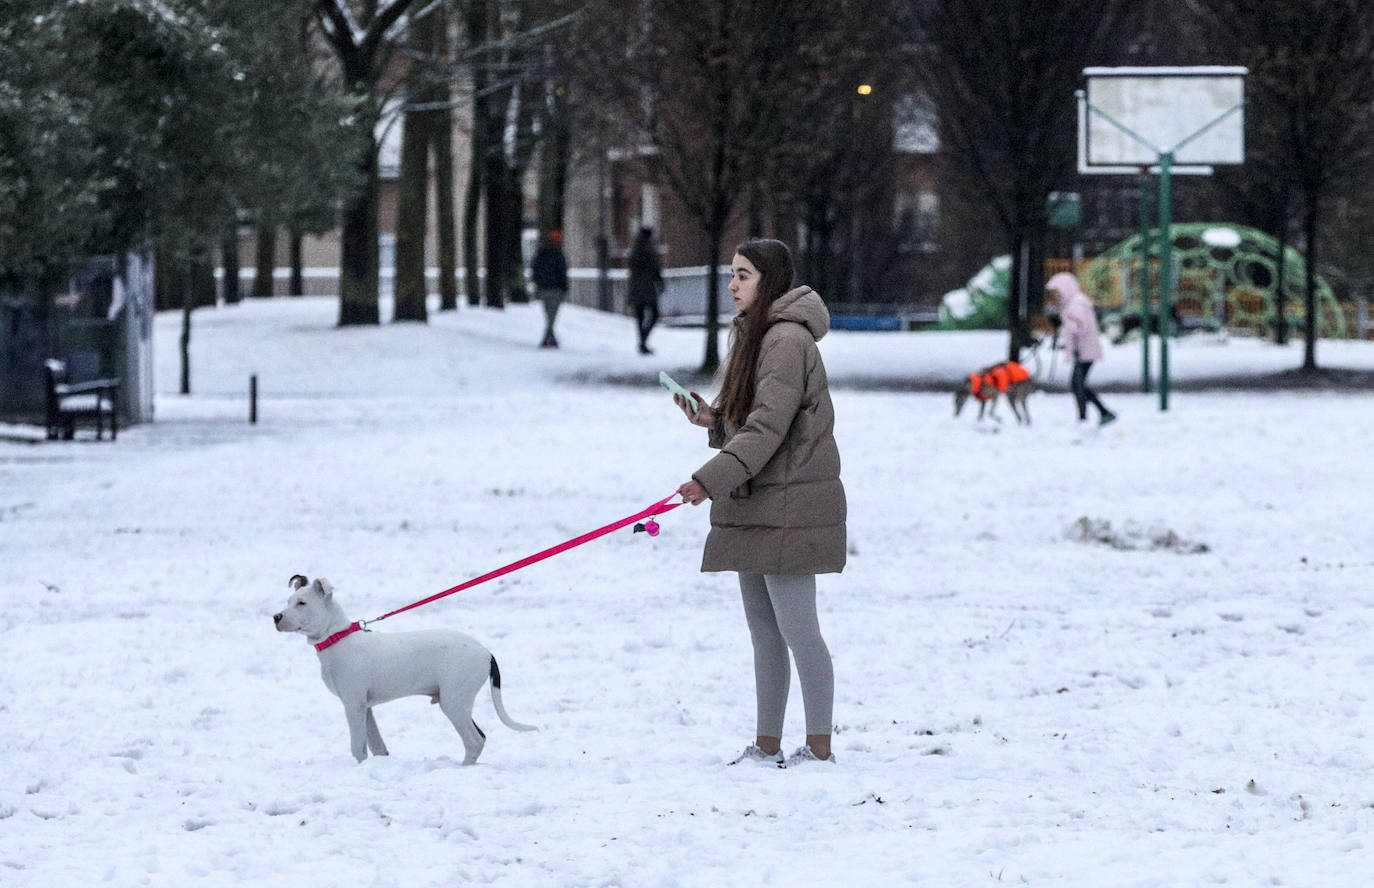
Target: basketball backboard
(1127,117)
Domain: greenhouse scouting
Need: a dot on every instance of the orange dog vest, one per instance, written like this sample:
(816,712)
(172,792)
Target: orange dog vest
(999,376)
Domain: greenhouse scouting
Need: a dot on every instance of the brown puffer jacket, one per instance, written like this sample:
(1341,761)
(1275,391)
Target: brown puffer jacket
(777,504)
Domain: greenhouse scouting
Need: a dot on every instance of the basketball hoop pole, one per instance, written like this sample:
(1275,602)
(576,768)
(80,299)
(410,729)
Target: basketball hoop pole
(1166,271)
(1145,280)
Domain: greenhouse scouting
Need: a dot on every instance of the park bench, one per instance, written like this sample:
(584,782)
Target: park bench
(88,399)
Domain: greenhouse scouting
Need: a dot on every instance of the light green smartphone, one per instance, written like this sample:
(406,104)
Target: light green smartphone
(671,385)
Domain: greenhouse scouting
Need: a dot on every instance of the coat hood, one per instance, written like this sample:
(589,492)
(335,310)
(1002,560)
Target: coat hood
(801,305)
(1063,285)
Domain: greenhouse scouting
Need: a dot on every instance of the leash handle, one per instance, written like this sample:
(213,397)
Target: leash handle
(657,508)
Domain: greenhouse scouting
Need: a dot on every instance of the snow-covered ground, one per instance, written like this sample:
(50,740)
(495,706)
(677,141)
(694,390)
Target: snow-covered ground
(1038,681)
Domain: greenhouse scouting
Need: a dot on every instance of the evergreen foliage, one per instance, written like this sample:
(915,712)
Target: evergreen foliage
(131,124)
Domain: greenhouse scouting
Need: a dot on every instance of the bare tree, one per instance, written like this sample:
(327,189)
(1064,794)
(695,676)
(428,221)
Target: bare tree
(362,42)
(441,145)
(713,87)
(1002,74)
(555,149)
(1311,114)
(835,172)
(412,216)
(229,250)
(265,260)
(424,98)
(475,25)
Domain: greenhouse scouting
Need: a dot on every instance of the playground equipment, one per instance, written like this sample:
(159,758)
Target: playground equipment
(1226,276)
(981,304)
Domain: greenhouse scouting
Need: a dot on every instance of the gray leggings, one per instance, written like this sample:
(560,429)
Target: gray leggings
(781,612)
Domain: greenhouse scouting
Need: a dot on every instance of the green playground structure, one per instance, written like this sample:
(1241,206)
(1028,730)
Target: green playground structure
(1227,277)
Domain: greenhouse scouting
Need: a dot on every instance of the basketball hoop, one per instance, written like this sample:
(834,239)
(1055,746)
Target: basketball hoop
(1163,121)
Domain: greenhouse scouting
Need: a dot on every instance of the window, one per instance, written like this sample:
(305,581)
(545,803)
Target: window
(915,125)
(916,218)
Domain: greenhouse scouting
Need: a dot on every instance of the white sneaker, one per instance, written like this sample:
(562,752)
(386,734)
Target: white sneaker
(753,754)
(804,754)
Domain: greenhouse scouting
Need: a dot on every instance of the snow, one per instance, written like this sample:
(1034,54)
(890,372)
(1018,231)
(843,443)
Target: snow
(1016,701)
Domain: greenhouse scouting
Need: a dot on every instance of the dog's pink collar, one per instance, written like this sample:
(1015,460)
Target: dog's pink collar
(338,636)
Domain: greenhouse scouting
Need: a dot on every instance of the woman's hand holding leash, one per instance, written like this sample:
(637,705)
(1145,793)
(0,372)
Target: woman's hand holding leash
(692,492)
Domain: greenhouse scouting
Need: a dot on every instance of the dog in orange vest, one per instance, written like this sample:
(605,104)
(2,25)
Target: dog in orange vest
(987,385)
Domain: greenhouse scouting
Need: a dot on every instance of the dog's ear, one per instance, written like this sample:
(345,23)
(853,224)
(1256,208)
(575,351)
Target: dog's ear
(322,587)
(297,581)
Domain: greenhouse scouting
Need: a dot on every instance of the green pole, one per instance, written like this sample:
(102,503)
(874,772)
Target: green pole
(1166,274)
(1145,385)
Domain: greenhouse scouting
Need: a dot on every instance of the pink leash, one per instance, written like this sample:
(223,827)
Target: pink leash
(657,508)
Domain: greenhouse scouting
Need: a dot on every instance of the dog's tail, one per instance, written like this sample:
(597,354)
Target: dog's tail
(495,674)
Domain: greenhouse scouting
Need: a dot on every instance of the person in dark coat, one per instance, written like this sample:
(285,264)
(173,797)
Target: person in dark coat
(549,270)
(646,283)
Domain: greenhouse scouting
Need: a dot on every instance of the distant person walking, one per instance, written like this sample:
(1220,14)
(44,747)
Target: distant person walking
(549,269)
(777,504)
(646,285)
(1079,337)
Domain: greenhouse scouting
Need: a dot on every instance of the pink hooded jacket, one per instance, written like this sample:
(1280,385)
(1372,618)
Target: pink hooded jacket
(1079,336)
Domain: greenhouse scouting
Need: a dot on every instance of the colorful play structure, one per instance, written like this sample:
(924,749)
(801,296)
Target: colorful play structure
(1226,278)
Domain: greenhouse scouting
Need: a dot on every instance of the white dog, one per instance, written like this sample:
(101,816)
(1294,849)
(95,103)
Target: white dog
(365,668)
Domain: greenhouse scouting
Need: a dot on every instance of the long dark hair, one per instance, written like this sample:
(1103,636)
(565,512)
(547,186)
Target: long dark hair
(773,261)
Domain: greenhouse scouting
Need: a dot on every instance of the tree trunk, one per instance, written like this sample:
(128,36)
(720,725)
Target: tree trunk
(1280,302)
(411,218)
(1025,278)
(266,261)
(441,135)
(441,146)
(522,111)
(296,286)
(494,177)
(605,299)
(166,283)
(229,249)
(553,163)
(1019,259)
(477,35)
(358,252)
(1309,358)
(203,294)
(187,304)
(715,235)
(472,204)
(505,206)
(512,231)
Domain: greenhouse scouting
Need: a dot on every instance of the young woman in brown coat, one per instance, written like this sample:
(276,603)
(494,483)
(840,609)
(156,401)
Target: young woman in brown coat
(777,504)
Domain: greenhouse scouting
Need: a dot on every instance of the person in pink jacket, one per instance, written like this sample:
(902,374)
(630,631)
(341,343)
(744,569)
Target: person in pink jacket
(1079,337)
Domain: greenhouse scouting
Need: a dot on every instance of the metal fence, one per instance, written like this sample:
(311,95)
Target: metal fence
(683,299)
